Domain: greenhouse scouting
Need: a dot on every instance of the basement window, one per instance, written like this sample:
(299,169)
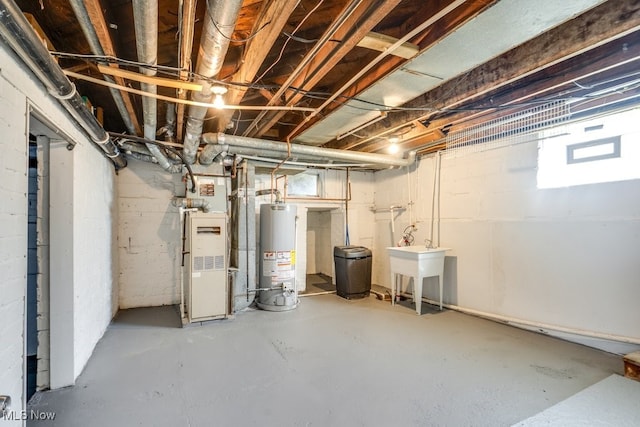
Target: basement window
(605,149)
(303,184)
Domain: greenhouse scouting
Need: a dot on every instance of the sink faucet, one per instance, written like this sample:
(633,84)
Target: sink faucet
(428,244)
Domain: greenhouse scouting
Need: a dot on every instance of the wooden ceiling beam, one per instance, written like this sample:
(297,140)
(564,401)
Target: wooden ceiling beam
(594,28)
(153,80)
(612,62)
(453,20)
(94,9)
(267,27)
(321,61)
(382,42)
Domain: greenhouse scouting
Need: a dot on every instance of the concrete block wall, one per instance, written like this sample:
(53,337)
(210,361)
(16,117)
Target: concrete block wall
(318,236)
(95,234)
(149,244)
(94,178)
(361,214)
(13,239)
(563,257)
(149,230)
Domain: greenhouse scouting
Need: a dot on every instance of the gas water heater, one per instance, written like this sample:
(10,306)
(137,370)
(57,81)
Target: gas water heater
(278,291)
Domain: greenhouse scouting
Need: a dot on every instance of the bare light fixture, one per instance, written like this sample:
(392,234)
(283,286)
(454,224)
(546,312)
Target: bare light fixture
(218,102)
(393,144)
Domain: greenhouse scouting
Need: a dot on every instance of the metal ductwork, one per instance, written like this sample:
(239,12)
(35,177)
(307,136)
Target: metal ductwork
(186,203)
(16,31)
(221,19)
(220,142)
(89,31)
(132,147)
(145,17)
(273,191)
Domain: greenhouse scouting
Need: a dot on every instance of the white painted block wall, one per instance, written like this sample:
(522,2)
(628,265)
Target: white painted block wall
(149,233)
(92,196)
(318,236)
(13,239)
(565,257)
(95,259)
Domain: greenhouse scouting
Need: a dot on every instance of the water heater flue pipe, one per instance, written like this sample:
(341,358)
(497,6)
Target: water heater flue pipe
(273,191)
(380,160)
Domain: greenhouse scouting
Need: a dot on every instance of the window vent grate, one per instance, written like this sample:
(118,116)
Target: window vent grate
(508,130)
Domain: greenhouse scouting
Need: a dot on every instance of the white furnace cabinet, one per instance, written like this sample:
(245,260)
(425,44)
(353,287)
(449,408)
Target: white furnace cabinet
(206,290)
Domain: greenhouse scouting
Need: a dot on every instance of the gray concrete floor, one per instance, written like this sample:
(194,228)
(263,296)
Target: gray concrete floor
(330,362)
(318,283)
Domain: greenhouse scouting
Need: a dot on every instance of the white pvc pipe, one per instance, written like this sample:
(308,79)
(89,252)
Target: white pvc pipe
(539,325)
(317,293)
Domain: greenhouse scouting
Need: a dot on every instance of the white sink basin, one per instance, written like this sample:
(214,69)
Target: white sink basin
(414,251)
(418,262)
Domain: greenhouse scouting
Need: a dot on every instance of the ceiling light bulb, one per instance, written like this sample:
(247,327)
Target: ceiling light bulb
(219,90)
(218,103)
(393,148)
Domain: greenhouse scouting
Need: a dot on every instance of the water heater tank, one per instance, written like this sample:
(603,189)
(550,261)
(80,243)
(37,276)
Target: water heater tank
(278,290)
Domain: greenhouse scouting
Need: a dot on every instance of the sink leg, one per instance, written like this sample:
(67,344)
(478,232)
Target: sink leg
(393,288)
(417,294)
(440,283)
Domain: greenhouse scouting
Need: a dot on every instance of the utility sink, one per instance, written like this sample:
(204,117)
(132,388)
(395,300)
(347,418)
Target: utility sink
(418,262)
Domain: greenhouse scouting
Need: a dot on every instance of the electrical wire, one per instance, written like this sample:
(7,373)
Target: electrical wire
(239,41)
(287,41)
(342,100)
(307,41)
(182,101)
(373,106)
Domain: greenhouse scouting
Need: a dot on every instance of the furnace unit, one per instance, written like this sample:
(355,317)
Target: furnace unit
(206,295)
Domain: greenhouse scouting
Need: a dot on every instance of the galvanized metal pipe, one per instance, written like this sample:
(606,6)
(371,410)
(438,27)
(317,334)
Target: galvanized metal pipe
(221,17)
(16,31)
(90,34)
(182,202)
(378,160)
(145,17)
